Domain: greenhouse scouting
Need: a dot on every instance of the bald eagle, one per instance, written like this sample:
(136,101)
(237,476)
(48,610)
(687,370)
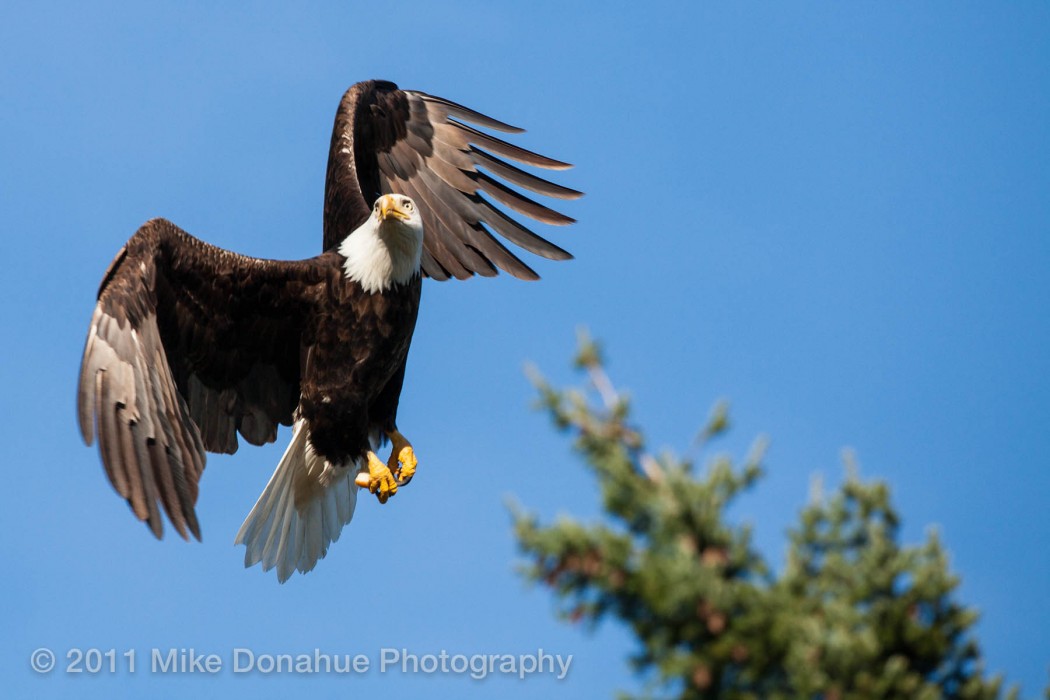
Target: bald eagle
(190,345)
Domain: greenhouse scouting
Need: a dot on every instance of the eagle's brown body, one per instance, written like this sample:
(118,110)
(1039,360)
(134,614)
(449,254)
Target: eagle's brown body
(354,385)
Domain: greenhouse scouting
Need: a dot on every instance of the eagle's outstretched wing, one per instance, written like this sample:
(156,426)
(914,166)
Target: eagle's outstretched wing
(389,140)
(189,344)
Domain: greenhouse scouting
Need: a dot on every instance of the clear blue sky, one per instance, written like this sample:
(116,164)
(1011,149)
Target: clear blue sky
(836,216)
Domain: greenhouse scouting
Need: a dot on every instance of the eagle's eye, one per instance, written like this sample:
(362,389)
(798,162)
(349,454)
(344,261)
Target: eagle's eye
(407,204)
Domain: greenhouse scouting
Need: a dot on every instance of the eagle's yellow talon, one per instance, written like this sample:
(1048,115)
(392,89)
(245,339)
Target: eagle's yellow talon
(402,458)
(379,479)
(407,458)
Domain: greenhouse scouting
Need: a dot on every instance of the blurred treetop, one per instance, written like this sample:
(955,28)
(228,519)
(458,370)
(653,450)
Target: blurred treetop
(854,614)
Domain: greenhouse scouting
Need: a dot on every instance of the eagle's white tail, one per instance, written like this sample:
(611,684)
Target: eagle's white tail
(300,512)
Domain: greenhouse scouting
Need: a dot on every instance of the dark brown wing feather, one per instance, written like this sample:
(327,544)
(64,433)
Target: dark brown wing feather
(189,345)
(389,140)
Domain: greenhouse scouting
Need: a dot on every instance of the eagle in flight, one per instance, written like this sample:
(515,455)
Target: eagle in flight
(190,344)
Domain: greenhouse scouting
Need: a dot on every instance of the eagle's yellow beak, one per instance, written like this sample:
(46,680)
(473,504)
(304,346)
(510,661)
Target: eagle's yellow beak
(389,207)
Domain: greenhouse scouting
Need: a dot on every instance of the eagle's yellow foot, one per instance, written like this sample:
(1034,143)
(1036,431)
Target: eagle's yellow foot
(402,460)
(379,480)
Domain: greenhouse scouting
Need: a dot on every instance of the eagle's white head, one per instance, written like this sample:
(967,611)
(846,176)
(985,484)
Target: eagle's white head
(386,249)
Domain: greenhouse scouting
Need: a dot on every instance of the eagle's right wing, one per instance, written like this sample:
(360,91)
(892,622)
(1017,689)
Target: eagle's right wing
(189,344)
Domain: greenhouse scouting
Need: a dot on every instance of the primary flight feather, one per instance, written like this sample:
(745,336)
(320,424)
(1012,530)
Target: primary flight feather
(191,345)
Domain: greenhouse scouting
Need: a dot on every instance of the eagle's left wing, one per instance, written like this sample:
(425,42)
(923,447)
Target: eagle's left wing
(388,140)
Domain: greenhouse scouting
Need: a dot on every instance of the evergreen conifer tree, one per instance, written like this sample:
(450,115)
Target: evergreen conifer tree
(854,614)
